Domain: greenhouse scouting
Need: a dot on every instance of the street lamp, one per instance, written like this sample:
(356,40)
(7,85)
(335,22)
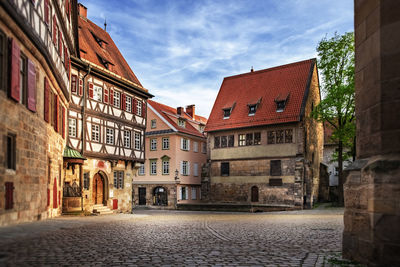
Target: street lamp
(176,188)
(176,175)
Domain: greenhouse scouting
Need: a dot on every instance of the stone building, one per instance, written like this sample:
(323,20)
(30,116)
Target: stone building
(175,153)
(371,191)
(106,124)
(36,41)
(265,149)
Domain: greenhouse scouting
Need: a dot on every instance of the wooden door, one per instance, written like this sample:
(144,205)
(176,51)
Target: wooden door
(254,194)
(97,189)
(142,196)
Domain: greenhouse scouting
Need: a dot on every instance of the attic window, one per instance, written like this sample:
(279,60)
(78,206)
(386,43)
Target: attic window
(105,62)
(281,102)
(253,107)
(98,40)
(227,113)
(181,123)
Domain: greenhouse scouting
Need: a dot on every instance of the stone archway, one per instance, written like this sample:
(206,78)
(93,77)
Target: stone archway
(160,196)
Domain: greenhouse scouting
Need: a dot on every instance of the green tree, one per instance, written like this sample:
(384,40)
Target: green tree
(336,64)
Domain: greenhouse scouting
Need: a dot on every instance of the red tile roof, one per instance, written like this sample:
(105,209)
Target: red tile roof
(267,86)
(170,114)
(91,50)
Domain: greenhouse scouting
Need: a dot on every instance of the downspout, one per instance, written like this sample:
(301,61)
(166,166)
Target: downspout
(83,132)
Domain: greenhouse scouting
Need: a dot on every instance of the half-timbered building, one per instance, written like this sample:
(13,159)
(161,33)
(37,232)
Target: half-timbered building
(36,41)
(106,123)
(265,149)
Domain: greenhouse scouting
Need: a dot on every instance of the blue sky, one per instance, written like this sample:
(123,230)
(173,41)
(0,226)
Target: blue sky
(182,49)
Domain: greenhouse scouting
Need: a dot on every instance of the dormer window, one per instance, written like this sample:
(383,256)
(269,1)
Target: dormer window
(281,102)
(252,110)
(280,106)
(98,40)
(105,62)
(181,123)
(227,113)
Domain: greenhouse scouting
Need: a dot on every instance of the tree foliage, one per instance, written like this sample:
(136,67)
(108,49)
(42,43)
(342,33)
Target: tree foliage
(336,64)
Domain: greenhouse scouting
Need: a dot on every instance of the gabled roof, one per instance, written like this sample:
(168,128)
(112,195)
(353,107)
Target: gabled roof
(91,50)
(170,115)
(264,88)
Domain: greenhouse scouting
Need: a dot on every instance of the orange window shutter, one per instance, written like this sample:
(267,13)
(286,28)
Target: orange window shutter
(14,79)
(31,86)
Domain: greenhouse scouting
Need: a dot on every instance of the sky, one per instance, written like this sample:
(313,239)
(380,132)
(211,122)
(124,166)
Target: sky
(181,50)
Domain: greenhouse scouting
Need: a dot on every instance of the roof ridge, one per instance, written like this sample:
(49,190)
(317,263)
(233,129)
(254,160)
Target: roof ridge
(269,69)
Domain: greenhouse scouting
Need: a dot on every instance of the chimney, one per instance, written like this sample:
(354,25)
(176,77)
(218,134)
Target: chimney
(251,69)
(190,110)
(82,10)
(179,110)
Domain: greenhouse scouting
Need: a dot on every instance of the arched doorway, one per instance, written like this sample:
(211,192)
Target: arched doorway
(98,189)
(160,196)
(254,194)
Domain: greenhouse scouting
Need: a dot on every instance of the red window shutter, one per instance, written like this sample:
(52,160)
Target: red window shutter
(91,90)
(46,100)
(59,198)
(56,107)
(48,197)
(80,87)
(143,109)
(55,30)
(73,83)
(115,204)
(63,122)
(135,106)
(14,79)
(55,194)
(66,58)
(9,195)
(31,86)
(60,42)
(105,95)
(46,11)
(111,97)
(123,101)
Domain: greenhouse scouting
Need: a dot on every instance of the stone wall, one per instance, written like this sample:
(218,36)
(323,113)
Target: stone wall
(171,195)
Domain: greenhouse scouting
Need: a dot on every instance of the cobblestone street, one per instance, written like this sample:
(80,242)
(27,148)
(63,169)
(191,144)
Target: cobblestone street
(173,238)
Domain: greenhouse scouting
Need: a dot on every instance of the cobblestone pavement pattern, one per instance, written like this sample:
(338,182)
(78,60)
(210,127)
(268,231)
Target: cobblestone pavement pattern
(175,238)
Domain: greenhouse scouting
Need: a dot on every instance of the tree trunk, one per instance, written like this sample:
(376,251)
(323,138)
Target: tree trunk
(341,178)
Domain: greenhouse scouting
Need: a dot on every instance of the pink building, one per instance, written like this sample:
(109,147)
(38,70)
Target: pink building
(175,153)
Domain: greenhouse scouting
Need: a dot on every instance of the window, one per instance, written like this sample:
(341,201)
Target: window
(127,139)
(276,168)
(217,141)
(86,181)
(227,113)
(95,133)
(224,168)
(271,137)
(204,148)
(141,169)
(74,84)
(138,143)
(252,110)
(109,136)
(165,143)
(280,105)
(280,137)
(153,144)
(196,169)
(288,135)
(153,167)
(23,80)
(11,151)
(224,141)
(185,144)
(117,99)
(257,138)
(184,167)
(153,124)
(183,193)
(242,139)
(97,93)
(231,140)
(195,147)
(128,104)
(139,108)
(254,194)
(118,179)
(181,123)
(9,203)
(72,127)
(275,182)
(249,139)
(194,193)
(165,167)
(3,61)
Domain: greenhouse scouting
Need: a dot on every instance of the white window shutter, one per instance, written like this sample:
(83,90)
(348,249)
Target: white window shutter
(181,143)
(180,192)
(188,144)
(195,169)
(181,165)
(188,168)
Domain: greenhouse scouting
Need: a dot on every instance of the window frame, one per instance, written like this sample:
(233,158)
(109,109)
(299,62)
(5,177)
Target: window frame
(165,167)
(225,168)
(97,91)
(153,124)
(242,140)
(185,144)
(127,139)
(110,134)
(165,143)
(142,170)
(97,140)
(3,61)
(86,180)
(252,110)
(119,179)
(153,167)
(153,144)
(181,123)
(275,167)
(72,128)
(257,141)
(139,108)
(116,99)
(193,196)
(128,104)
(11,151)
(185,167)
(138,140)
(23,79)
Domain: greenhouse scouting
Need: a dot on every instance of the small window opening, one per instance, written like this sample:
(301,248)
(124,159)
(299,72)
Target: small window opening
(280,106)
(252,110)
(227,113)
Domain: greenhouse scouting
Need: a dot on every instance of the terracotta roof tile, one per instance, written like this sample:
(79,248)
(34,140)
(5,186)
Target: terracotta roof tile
(109,51)
(170,113)
(266,86)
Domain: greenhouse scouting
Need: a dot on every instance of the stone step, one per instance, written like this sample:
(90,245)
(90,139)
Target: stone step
(101,209)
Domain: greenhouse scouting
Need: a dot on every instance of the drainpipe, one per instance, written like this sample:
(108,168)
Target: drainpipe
(83,132)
